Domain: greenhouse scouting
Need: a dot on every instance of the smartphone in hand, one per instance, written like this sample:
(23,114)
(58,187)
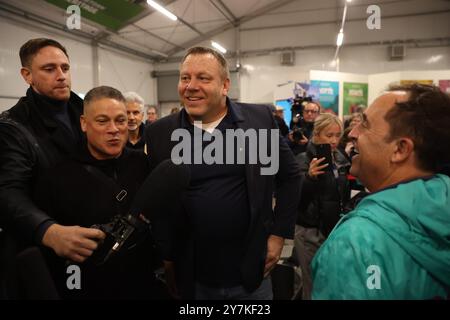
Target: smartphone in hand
(324,151)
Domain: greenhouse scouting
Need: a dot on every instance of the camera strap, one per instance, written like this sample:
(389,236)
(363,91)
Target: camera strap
(120,193)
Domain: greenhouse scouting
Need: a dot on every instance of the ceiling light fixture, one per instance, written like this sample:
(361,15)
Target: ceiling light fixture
(340,38)
(218,47)
(163,10)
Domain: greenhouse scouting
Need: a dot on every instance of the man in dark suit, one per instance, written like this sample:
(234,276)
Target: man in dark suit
(225,238)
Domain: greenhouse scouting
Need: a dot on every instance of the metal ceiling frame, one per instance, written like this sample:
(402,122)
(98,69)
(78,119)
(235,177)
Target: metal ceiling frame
(132,22)
(157,37)
(227,10)
(221,7)
(102,37)
(412,43)
(190,26)
(26,17)
(147,11)
(210,34)
(338,20)
(104,34)
(180,19)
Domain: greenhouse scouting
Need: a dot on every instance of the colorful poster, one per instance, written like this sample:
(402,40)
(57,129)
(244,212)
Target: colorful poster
(327,92)
(111,14)
(355,97)
(445,86)
(408,82)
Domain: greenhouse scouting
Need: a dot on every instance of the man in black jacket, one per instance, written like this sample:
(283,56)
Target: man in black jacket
(226,239)
(310,112)
(41,130)
(98,183)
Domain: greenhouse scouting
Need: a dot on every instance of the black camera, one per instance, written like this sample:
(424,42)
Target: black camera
(298,130)
(298,125)
(123,232)
(297,107)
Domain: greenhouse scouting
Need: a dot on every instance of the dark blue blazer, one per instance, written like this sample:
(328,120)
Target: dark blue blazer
(175,236)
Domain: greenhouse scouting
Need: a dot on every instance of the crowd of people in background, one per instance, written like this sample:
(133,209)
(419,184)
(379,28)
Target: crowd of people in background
(366,201)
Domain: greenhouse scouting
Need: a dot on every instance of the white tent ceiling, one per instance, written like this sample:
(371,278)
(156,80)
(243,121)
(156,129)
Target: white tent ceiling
(155,37)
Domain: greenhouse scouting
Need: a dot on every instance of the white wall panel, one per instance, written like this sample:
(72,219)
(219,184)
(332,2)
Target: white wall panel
(5,104)
(313,11)
(374,59)
(166,107)
(415,27)
(261,75)
(379,82)
(13,36)
(125,74)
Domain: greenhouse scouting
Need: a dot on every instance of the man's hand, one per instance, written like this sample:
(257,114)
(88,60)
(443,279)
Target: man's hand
(74,242)
(274,247)
(169,272)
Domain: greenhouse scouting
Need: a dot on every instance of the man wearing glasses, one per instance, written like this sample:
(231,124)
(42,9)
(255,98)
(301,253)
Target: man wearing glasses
(311,111)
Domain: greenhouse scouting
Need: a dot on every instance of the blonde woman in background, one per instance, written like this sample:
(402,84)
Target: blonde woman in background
(324,194)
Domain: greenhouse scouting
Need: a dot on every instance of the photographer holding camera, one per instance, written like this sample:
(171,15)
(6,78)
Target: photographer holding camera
(99,183)
(302,124)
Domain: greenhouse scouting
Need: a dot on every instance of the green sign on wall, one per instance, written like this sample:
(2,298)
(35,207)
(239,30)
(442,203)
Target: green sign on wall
(355,97)
(113,14)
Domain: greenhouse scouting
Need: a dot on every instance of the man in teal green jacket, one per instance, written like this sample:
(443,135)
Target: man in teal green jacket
(396,243)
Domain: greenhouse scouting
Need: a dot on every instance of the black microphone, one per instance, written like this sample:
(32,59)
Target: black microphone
(155,198)
(162,187)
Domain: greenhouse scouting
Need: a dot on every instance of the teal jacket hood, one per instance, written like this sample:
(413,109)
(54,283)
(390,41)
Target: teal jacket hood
(416,215)
(404,231)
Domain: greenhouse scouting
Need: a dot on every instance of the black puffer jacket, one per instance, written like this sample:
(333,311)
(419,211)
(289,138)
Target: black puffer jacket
(31,140)
(323,199)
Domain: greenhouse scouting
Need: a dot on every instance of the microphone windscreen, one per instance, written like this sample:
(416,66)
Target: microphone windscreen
(161,189)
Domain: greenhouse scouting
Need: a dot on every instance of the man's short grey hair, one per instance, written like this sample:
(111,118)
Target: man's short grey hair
(134,97)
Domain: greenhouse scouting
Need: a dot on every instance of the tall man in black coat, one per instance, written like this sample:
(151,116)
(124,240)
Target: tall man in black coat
(42,129)
(225,238)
